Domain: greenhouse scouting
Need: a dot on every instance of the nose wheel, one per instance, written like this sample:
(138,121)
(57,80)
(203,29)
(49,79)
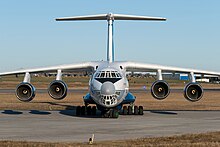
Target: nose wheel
(112,113)
(91,111)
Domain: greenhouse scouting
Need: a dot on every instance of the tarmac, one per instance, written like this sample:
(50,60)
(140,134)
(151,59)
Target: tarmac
(63,126)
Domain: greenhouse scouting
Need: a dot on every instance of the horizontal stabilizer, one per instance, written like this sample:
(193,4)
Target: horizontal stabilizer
(110,16)
(110,19)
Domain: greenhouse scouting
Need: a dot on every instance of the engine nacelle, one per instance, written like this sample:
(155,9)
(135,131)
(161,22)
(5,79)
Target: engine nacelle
(25,92)
(160,89)
(193,92)
(57,90)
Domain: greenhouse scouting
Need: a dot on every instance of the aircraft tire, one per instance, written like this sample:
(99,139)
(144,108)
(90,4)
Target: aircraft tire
(94,110)
(141,110)
(115,113)
(125,110)
(78,110)
(111,113)
(89,110)
(105,114)
(83,110)
(136,110)
(129,110)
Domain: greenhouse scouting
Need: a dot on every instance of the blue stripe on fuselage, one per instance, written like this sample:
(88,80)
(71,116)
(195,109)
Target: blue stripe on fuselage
(130,98)
(88,99)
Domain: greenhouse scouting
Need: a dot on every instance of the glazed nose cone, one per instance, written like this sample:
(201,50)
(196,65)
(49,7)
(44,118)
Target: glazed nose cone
(108,88)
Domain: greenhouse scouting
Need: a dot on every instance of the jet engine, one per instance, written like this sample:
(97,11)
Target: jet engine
(57,90)
(25,92)
(193,92)
(160,89)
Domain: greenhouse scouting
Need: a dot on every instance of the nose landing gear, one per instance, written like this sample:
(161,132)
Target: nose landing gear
(112,113)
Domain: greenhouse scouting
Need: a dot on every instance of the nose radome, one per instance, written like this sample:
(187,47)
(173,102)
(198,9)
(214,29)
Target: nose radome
(108,88)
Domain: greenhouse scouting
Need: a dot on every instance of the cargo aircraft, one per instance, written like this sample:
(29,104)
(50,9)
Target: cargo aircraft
(108,85)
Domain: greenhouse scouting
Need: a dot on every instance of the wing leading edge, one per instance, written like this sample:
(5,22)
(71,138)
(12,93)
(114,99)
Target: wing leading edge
(87,66)
(142,67)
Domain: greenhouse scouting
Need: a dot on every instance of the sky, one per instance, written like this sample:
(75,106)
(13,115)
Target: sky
(30,36)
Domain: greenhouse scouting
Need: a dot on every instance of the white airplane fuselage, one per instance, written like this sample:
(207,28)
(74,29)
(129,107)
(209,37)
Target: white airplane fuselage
(108,86)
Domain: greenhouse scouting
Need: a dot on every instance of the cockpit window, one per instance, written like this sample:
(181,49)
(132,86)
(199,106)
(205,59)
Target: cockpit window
(112,76)
(108,74)
(118,75)
(102,75)
(97,74)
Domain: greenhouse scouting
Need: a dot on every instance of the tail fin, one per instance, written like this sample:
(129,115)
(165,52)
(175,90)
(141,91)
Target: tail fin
(110,18)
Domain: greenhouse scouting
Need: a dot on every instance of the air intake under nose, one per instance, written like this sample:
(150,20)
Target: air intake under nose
(108,88)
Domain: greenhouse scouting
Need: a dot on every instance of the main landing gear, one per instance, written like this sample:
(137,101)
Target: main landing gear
(132,110)
(86,110)
(111,113)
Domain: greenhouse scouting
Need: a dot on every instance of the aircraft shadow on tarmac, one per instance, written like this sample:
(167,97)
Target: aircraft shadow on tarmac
(39,112)
(163,112)
(73,114)
(70,111)
(12,112)
(66,107)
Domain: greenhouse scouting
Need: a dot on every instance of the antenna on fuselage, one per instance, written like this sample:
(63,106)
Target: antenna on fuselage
(110,18)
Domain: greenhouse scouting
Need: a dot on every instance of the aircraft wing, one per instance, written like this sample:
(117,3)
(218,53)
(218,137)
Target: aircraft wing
(142,67)
(87,66)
